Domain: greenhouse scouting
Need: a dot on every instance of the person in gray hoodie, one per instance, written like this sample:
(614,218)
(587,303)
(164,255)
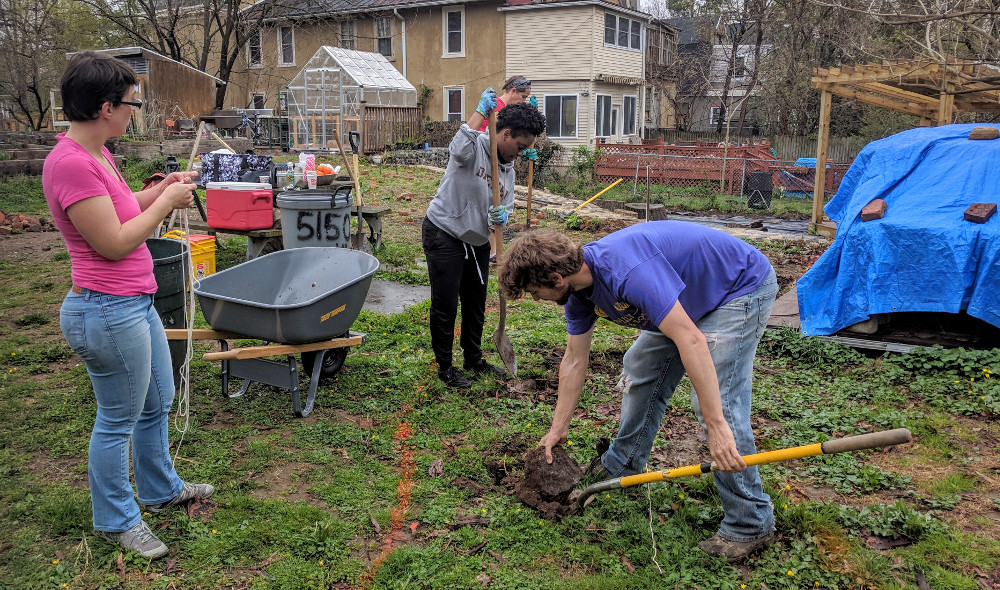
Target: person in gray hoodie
(456,231)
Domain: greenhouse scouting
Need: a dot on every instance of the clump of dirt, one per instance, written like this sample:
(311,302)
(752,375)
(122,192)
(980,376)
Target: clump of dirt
(545,487)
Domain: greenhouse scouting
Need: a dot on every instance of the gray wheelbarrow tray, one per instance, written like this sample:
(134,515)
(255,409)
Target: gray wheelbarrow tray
(294,296)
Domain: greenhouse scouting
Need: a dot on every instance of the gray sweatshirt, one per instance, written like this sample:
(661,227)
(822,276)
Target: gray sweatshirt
(461,205)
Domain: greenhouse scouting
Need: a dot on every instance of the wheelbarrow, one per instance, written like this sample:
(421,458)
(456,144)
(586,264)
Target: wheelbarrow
(303,299)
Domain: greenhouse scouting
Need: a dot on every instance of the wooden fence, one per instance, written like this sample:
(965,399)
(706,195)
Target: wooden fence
(383,127)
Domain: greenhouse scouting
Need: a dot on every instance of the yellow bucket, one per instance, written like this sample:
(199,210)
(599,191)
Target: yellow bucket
(202,252)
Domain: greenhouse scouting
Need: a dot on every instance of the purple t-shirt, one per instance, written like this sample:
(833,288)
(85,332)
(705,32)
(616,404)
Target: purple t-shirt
(640,272)
(71,174)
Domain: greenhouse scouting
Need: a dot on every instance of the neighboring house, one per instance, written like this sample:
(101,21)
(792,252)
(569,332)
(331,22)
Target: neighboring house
(449,52)
(717,66)
(585,59)
(168,89)
(661,77)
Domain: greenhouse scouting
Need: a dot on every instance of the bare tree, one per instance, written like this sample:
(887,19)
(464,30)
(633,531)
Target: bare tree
(35,35)
(205,34)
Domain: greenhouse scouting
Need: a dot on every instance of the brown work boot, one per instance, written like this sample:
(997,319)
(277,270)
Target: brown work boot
(734,551)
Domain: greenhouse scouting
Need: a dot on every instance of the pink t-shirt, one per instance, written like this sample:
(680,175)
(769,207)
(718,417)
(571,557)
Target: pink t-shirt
(486,123)
(71,174)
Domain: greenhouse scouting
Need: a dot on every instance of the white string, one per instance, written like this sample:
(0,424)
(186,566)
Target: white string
(184,402)
(652,537)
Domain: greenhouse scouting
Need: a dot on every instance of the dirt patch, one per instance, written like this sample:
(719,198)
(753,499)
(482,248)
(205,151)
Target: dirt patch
(546,487)
(287,481)
(71,471)
(29,246)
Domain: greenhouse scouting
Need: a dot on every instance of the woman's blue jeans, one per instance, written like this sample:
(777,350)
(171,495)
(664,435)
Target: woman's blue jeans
(123,345)
(652,370)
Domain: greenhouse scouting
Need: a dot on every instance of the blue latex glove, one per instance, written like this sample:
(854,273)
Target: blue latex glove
(529,154)
(487,102)
(499,215)
(533,101)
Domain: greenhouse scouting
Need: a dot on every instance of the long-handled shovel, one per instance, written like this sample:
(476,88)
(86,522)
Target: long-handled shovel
(358,240)
(504,347)
(531,183)
(841,445)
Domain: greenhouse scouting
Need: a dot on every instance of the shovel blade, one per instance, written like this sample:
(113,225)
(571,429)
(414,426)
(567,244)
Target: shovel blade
(506,351)
(359,241)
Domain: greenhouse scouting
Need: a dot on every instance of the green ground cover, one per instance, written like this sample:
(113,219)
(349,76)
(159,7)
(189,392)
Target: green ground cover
(397,482)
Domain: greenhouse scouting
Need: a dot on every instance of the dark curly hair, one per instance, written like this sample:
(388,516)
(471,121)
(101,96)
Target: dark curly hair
(522,119)
(531,259)
(90,80)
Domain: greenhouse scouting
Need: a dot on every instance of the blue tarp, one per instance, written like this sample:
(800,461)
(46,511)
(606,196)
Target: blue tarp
(923,255)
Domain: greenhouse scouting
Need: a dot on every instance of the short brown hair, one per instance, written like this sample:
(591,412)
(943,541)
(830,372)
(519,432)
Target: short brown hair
(533,257)
(90,80)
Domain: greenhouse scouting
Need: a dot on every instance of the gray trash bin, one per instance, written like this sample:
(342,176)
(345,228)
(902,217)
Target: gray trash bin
(169,264)
(318,217)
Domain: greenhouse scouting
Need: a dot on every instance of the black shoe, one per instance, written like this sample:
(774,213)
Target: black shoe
(484,368)
(596,472)
(453,378)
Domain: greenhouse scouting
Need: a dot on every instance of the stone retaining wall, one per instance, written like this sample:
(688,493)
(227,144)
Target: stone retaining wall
(437,157)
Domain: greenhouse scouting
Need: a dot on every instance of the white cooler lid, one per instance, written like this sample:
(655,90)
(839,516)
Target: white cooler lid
(238,186)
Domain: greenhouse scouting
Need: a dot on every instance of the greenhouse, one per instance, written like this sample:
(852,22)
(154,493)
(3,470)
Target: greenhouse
(342,90)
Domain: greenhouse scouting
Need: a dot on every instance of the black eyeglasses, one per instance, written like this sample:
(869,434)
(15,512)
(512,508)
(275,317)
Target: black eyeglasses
(134,103)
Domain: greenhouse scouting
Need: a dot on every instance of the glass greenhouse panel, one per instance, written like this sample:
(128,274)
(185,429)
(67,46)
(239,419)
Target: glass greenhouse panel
(326,96)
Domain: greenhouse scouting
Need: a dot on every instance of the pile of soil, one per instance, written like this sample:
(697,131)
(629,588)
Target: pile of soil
(11,222)
(545,487)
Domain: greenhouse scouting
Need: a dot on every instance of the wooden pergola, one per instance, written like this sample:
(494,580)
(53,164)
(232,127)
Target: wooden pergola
(931,90)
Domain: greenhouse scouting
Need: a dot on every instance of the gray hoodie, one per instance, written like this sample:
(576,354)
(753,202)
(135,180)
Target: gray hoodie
(461,205)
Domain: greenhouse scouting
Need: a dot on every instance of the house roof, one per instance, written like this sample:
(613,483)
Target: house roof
(689,28)
(509,5)
(146,53)
(299,9)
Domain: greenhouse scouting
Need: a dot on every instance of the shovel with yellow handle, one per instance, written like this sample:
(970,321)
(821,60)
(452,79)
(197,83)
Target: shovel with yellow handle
(860,442)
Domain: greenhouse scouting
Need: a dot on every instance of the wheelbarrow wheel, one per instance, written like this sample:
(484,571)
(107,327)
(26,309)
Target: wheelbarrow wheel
(333,362)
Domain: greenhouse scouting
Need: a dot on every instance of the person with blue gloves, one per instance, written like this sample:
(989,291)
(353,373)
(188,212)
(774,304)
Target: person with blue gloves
(455,232)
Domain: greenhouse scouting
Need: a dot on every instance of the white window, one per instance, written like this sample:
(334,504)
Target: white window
(286,46)
(383,34)
(629,112)
(454,99)
(255,53)
(454,31)
(740,67)
(347,34)
(560,115)
(257,100)
(716,116)
(603,116)
(623,32)
(610,28)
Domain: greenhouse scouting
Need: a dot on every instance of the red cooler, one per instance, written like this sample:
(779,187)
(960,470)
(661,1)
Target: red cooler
(239,205)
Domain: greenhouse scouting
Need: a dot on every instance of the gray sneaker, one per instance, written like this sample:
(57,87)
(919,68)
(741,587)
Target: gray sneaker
(139,539)
(189,492)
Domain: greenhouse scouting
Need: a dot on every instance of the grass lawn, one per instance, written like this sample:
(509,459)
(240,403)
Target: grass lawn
(395,481)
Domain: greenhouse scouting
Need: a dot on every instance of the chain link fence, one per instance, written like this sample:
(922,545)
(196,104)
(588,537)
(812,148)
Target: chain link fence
(749,170)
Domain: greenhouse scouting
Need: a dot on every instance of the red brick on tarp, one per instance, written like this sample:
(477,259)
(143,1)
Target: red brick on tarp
(874,210)
(980,212)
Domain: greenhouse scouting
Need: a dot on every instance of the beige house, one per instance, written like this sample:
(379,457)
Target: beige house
(585,59)
(450,53)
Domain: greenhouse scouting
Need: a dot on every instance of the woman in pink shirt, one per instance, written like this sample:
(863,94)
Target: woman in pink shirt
(108,316)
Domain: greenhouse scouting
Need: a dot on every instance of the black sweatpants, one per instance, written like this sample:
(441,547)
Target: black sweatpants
(451,265)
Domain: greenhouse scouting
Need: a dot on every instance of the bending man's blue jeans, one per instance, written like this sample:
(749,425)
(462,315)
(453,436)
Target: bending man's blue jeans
(652,370)
(123,345)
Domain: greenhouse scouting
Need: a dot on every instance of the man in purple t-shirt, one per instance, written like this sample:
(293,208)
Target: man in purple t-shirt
(701,299)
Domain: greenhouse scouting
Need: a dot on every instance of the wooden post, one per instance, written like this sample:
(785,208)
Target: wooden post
(946,106)
(822,143)
(362,127)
